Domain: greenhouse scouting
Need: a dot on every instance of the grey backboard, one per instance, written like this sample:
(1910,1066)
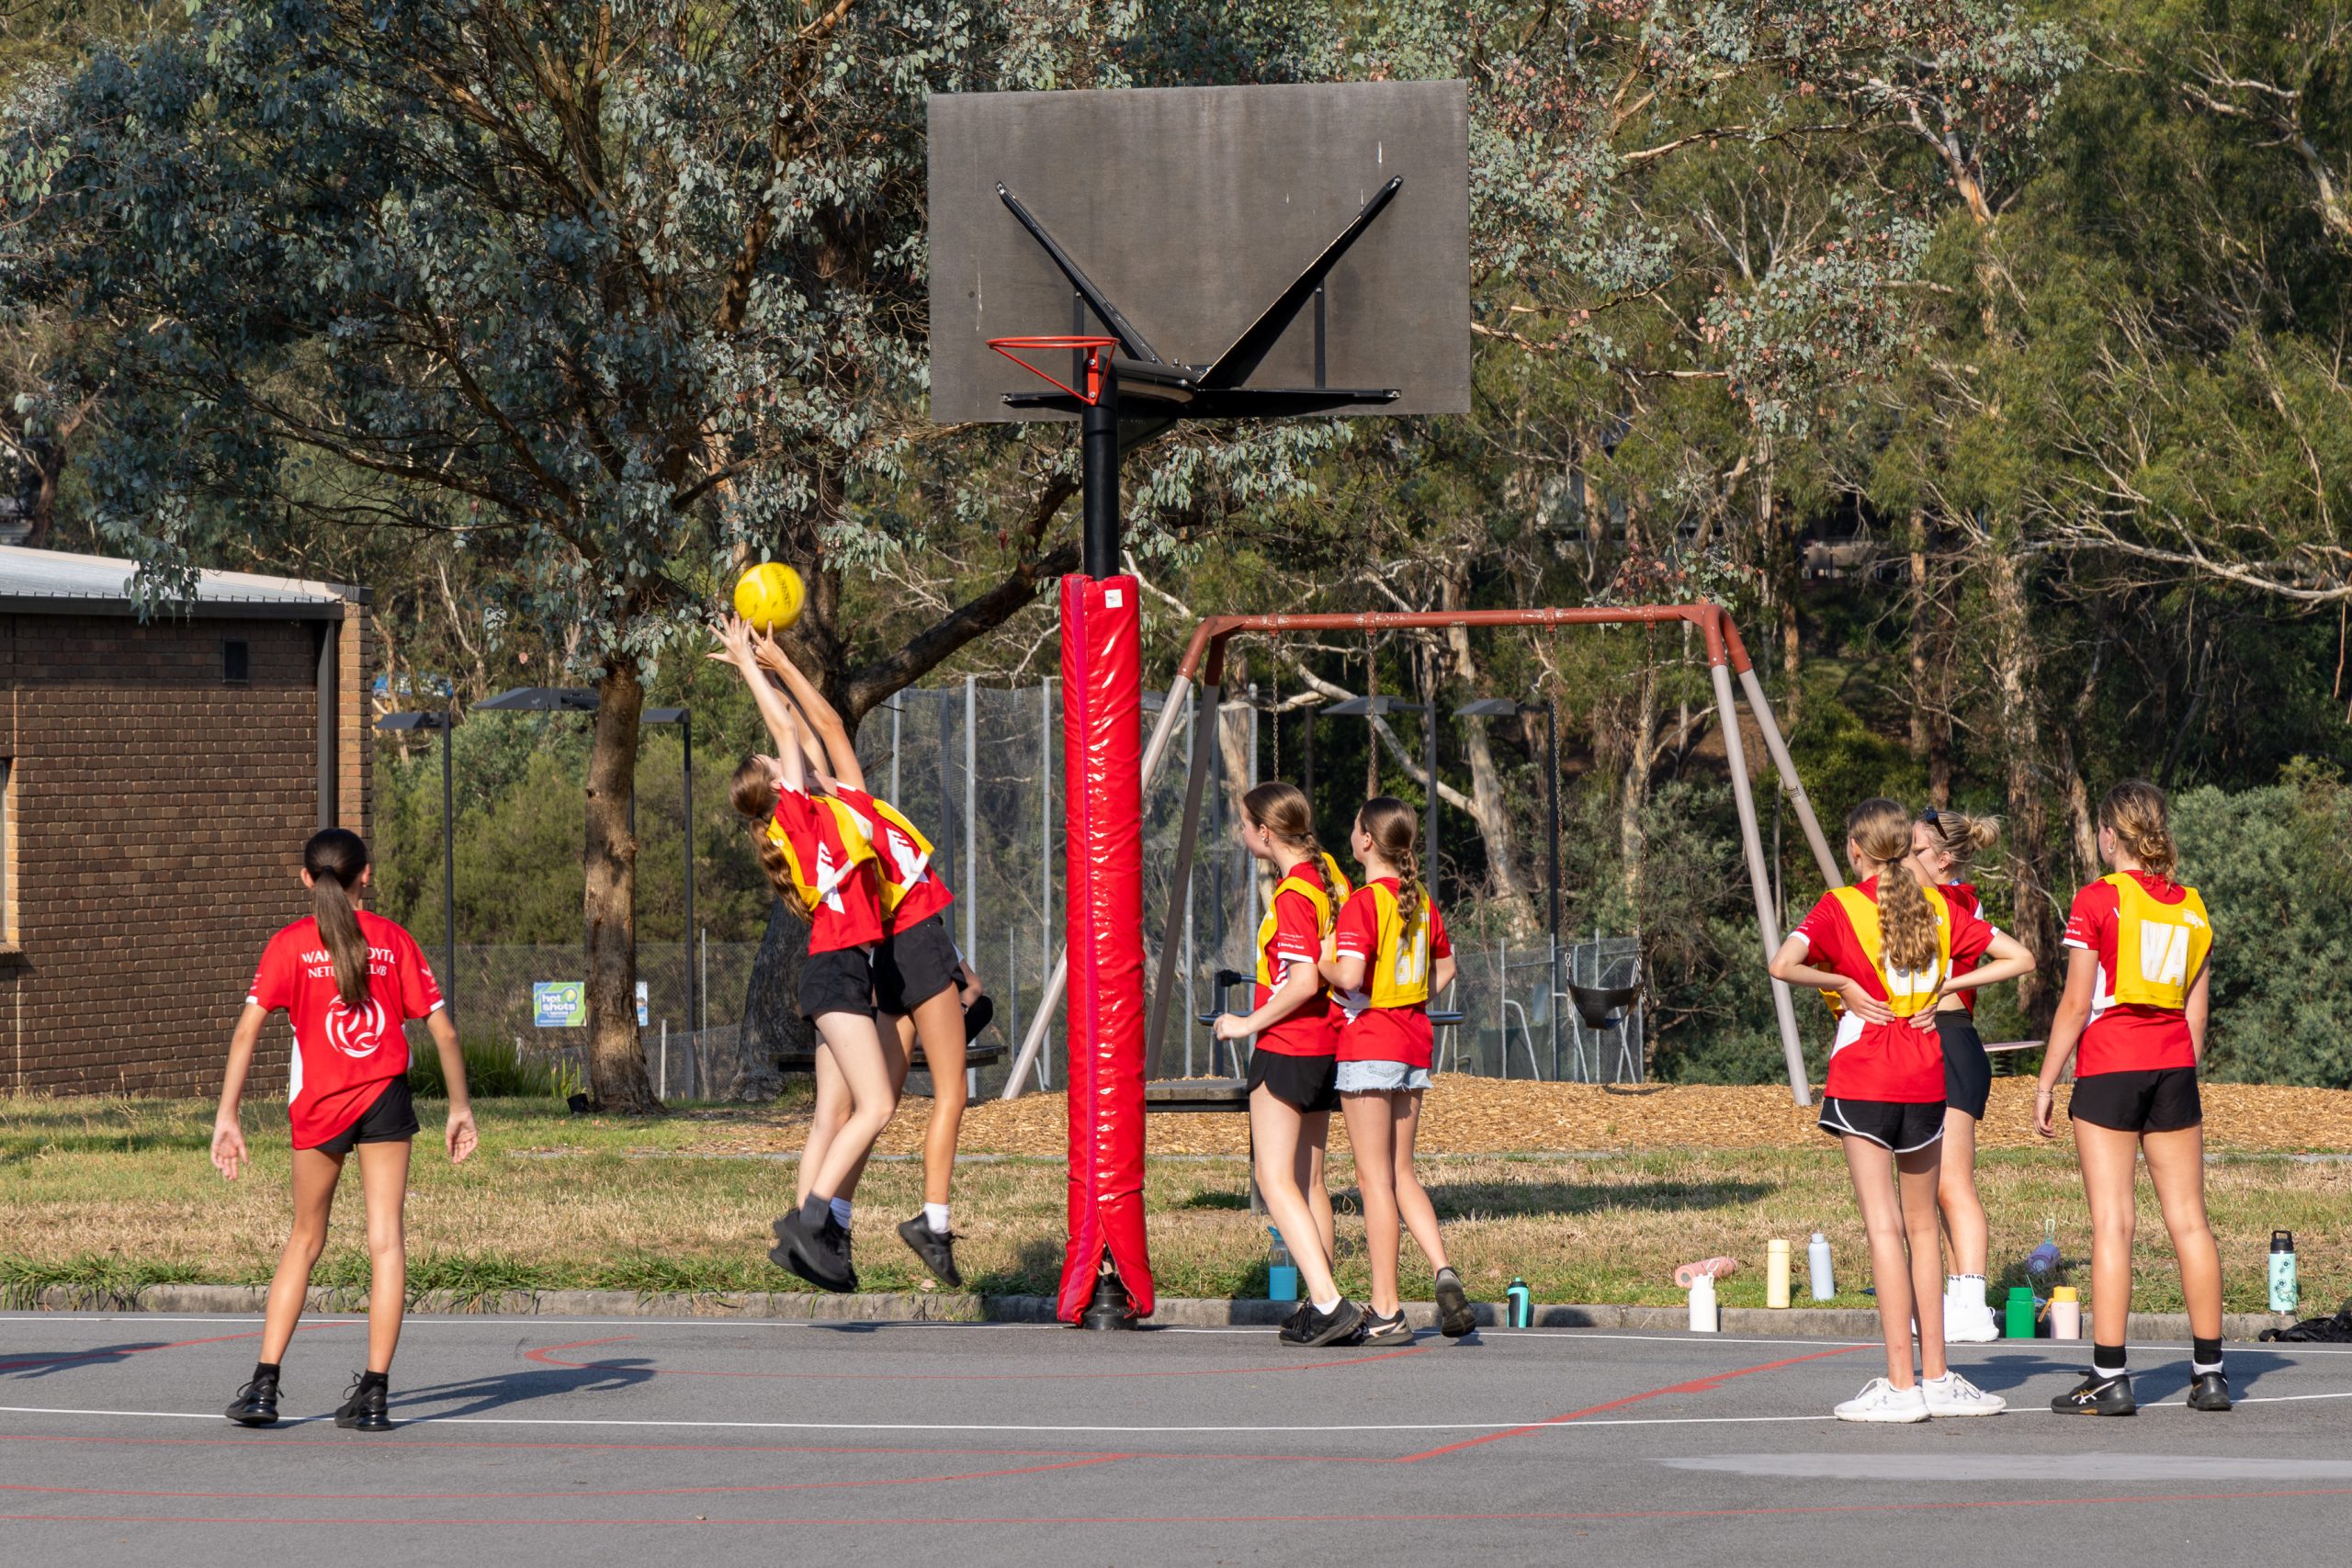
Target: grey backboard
(1191,209)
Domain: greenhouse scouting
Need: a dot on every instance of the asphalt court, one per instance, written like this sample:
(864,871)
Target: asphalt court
(531,1439)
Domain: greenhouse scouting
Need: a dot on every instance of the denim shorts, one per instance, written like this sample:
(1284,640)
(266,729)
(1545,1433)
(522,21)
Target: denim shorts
(1374,1078)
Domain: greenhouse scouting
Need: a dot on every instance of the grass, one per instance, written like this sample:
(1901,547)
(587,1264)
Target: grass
(107,1196)
(495,1069)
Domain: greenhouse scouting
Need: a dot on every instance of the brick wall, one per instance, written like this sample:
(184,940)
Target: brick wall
(156,816)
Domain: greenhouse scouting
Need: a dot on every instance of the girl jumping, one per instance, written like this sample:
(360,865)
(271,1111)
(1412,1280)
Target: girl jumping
(1388,952)
(1888,946)
(1293,1070)
(2135,1004)
(347,979)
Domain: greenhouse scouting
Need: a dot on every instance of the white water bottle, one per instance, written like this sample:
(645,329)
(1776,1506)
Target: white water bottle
(1703,1304)
(1825,1284)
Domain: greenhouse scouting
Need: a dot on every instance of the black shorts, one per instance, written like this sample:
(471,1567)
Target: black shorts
(839,981)
(1890,1124)
(390,1120)
(1968,1071)
(1306,1084)
(2163,1100)
(914,966)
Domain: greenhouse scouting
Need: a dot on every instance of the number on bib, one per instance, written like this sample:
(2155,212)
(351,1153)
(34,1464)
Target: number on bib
(1413,961)
(2164,952)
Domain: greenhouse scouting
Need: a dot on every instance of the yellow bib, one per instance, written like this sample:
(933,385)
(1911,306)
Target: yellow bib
(2158,947)
(1398,975)
(816,884)
(1906,993)
(1315,896)
(898,875)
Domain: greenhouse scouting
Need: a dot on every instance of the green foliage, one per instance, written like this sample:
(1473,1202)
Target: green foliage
(494,1069)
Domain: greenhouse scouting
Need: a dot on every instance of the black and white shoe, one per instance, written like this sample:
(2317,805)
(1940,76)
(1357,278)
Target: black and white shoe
(1314,1329)
(364,1407)
(1453,1315)
(818,1254)
(1390,1330)
(2210,1391)
(2098,1395)
(936,1249)
(256,1403)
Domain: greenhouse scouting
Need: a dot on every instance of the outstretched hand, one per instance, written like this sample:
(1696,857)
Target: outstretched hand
(735,645)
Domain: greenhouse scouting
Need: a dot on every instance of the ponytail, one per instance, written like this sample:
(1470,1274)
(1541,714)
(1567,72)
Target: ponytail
(1335,880)
(1283,809)
(336,857)
(1906,923)
(2139,816)
(753,797)
(1392,827)
(1958,836)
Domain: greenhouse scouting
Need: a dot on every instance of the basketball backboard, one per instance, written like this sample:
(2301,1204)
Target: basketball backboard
(1199,217)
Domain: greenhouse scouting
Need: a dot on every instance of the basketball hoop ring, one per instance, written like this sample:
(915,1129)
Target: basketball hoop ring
(1091,346)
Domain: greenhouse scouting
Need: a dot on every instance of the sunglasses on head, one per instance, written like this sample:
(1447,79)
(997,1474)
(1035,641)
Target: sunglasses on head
(1928,816)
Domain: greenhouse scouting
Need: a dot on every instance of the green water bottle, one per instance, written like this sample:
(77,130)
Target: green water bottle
(2020,1315)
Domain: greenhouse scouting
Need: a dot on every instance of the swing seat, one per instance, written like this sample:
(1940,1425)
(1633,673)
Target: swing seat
(1187,1096)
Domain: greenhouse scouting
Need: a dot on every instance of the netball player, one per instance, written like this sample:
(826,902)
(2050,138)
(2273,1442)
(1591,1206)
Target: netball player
(349,979)
(1888,945)
(2135,1006)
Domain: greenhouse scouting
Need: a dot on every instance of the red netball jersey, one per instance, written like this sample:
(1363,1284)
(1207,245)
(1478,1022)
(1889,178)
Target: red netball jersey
(1388,1021)
(913,890)
(1963,896)
(343,1058)
(832,865)
(1292,934)
(2123,1036)
(1890,1062)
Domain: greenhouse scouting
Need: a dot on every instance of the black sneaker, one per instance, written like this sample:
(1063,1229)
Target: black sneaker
(2097,1396)
(818,1254)
(1297,1315)
(936,1250)
(363,1406)
(256,1403)
(2210,1391)
(1454,1318)
(1390,1330)
(1313,1328)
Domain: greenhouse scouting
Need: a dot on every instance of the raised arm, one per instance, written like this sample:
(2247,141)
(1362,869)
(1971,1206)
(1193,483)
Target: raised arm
(735,648)
(822,718)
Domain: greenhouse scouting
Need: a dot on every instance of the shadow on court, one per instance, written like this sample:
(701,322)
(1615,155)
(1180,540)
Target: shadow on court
(504,1391)
(26,1364)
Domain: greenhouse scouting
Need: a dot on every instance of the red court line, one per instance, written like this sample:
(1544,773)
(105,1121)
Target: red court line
(1696,1385)
(545,1356)
(119,1350)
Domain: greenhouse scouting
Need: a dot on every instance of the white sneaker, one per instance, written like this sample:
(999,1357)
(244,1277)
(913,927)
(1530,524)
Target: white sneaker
(1968,1322)
(1882,1400)
(1953,1394)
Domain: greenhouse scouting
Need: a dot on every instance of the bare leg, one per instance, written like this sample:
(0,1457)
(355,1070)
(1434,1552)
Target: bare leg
(383,1182)
(1916,1175)
(1273,1135)
(2108,1158)
(939,1023)
(1372,1134)
(2176,1166)
(897,1035)
(1315,1137)
(856,1047)
(1963,1213)
(315,1175)
(1873,1169)
(824,1122)
(1412,1200)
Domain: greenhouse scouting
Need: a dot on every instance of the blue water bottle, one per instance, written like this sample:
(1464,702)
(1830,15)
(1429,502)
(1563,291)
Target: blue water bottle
(1282,1274)
(2283,1294)
(1520,1305)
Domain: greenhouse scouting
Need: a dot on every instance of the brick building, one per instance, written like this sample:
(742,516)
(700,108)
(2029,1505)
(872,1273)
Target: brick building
(159,781)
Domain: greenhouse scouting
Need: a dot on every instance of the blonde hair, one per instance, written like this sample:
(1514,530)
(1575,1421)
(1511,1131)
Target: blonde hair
(2137,812)
(1881,829)
(1284,811)
(1958,836)
(752,795)
(1393,829)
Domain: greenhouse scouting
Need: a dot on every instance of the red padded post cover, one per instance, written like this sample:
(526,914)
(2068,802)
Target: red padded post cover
(1102,767)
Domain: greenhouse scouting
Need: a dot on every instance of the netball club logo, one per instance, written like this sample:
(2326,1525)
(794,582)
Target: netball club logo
(356,1034)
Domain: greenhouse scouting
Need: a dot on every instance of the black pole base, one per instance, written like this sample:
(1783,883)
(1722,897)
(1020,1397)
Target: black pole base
(1112,1307)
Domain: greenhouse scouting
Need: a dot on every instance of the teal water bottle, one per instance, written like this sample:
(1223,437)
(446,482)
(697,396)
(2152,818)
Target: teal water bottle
(1282,1274)
(2283,1293)
(1520,1305)
(2019,1314)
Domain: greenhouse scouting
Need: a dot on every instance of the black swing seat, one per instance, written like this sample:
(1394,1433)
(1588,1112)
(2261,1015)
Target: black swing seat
(1594,1004)
(1193,1095)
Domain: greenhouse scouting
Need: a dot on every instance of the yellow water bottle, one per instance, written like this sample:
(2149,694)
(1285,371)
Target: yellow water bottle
(1776,1272)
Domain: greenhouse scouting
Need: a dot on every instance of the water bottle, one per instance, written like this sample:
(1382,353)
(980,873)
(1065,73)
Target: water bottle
(2065,1314)
(1520,1305)
(1702,1305)
(1824,1283)
(2283,1294)
(1282,1274)
(1776,1272)
(2018,1316)
(2042,1261)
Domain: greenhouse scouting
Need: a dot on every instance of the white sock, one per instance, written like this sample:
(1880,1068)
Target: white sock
(935,1216)
(841,1213)
(1966,1287)
(1327,1308)
(2198,1369)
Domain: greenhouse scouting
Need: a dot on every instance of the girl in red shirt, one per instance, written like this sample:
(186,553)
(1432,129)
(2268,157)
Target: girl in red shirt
(1389,954)
(1293,1068)
(347,979)
(819,861)
(1888,946)
(2136,1004)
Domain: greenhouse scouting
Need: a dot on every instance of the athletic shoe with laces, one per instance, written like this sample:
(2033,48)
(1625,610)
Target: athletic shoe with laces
(1969,1321)
(1297,1315)
(2210,1391)
(256,1403)
(1314,1329)
(936,1248)
(1390,1330)
(818,1254)
(1453,1315)
(2101,1394)
(1953,1394)
(364,1407)
(1880,1401)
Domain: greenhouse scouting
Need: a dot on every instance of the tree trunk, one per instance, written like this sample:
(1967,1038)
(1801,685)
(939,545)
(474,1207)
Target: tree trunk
(2015,665)
(616,1077)
(773,1027)
(1487,808)
(1636,794)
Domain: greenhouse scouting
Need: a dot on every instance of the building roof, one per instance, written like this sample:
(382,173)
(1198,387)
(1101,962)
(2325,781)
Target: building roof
(54,582)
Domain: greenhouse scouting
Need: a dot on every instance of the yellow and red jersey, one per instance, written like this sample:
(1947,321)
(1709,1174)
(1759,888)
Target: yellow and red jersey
(2151,936)
(1291,933)
(831,864)
(912,888)
(1888,1062)
(1388,1021)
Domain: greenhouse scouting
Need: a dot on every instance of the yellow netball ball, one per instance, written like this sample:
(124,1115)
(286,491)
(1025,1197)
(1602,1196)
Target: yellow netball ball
(769,596)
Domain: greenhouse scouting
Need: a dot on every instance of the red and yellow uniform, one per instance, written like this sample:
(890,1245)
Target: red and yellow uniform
(1388,1021)
(913,891)
(343,1058)
(2151,936)
(831,864)
(1293,933)
(1892,1062)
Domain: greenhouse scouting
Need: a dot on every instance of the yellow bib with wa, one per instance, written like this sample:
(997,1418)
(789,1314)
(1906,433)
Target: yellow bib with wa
(1399,972)
(1313,894)
(835,860)
(2158,947)
(1906,993)
(898,877)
